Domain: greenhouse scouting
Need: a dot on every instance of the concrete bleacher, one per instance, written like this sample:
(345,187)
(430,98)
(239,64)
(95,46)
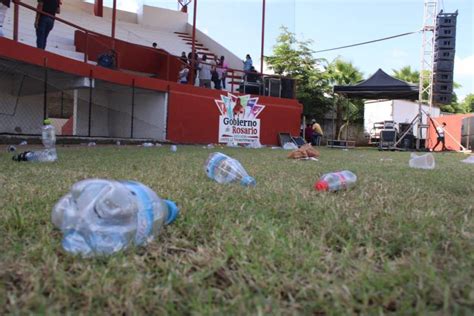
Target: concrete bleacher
(128,28)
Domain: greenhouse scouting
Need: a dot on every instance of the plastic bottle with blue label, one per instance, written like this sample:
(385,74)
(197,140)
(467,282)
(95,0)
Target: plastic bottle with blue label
(102,217)
(336,181)
(224,169)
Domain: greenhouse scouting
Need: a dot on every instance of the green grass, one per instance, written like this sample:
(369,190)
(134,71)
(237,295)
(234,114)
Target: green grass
(401,241)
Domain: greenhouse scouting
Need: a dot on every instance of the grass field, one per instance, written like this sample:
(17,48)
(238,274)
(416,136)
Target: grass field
(401,241)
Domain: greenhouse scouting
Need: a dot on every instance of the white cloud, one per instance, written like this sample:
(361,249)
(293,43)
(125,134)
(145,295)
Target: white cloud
(464,67)
(399,53)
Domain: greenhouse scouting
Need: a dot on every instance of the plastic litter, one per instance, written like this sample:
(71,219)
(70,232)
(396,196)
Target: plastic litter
(174,148)
(48,137)
(23,143)
(305,152)
(101,217)
(469,159)
(224,169)
(147,145)
(232,144)
(336,181)
(118,143)
(91,144)
(255,145)
(426,161)
(11,149)
(276,147)
(290,146)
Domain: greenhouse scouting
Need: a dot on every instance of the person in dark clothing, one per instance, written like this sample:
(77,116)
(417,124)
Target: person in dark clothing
(253,76)
(193,66)
(43,23)
(183,58)
(308,133)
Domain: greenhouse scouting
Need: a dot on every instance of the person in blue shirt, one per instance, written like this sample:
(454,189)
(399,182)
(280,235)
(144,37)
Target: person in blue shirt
(248,63)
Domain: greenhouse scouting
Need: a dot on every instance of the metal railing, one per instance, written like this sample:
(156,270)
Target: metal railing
(237,76)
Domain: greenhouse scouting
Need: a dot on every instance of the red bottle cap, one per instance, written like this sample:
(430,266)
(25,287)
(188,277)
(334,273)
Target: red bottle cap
(321,185)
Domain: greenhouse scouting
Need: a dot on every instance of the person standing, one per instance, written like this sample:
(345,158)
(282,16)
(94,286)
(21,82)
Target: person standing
(43,23)
(4,5)
(440,130)
(224,66)
(183,74)
(248,64)
(205,68)
(193,62)
(317,133)
(183,58)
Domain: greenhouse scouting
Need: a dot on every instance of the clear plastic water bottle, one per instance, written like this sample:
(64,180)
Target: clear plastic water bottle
(101,217)
(224,169)
(336,181)
(48,137)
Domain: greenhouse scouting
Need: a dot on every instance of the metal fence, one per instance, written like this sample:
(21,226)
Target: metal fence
(78,106)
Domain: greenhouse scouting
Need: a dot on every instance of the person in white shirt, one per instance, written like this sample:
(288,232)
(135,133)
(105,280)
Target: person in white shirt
(440,131)
(183,74)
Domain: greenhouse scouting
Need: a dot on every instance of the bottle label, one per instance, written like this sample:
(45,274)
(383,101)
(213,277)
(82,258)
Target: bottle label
(342,180)
(145,216)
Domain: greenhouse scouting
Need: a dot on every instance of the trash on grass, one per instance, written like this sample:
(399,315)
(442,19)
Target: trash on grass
(305,152)
(11,149)
(336,181)
(174,148)
(91,144)
(426,161)
(232,144)
(255,145)
(146,145)
(23,143)
(290,146)
(469,159)
(224,169)
(101,217)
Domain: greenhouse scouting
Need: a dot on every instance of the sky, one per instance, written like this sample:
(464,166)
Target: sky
(332,23)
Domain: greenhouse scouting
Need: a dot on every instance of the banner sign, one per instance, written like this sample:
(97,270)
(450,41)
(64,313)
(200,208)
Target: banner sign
(238,122)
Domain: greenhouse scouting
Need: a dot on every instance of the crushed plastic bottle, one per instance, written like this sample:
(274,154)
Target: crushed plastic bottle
(23,143)
(469,159)
(224,169)
(426,161)
(91,144)
(336,181)
(147,145)
(174,148)
(101,217)
(11,149)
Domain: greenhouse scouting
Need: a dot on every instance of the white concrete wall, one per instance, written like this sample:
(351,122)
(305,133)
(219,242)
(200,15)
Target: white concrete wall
(164,19)
(23,115)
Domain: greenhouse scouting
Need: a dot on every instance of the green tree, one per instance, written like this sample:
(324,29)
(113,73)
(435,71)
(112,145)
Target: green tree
(407,74)
(468,103)
(294,59)
(340,72)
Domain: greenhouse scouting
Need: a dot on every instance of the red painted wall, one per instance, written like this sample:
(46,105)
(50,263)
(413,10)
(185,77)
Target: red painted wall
(453,127)
(192,113)
(193,116)
(130,56)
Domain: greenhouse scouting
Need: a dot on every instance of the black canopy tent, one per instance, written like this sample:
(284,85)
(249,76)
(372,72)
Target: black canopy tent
(380,86)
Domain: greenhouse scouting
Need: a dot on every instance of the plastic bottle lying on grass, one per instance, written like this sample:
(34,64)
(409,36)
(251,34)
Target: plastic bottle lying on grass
(101,217)
(224,169)
(426,161)
(174,148)
(336,181)
(48,154)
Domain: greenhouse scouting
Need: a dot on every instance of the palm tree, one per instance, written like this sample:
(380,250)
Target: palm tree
(407,74)
(340,72)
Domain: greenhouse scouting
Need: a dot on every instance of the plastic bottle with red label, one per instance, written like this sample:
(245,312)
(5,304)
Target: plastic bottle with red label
(335,181)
